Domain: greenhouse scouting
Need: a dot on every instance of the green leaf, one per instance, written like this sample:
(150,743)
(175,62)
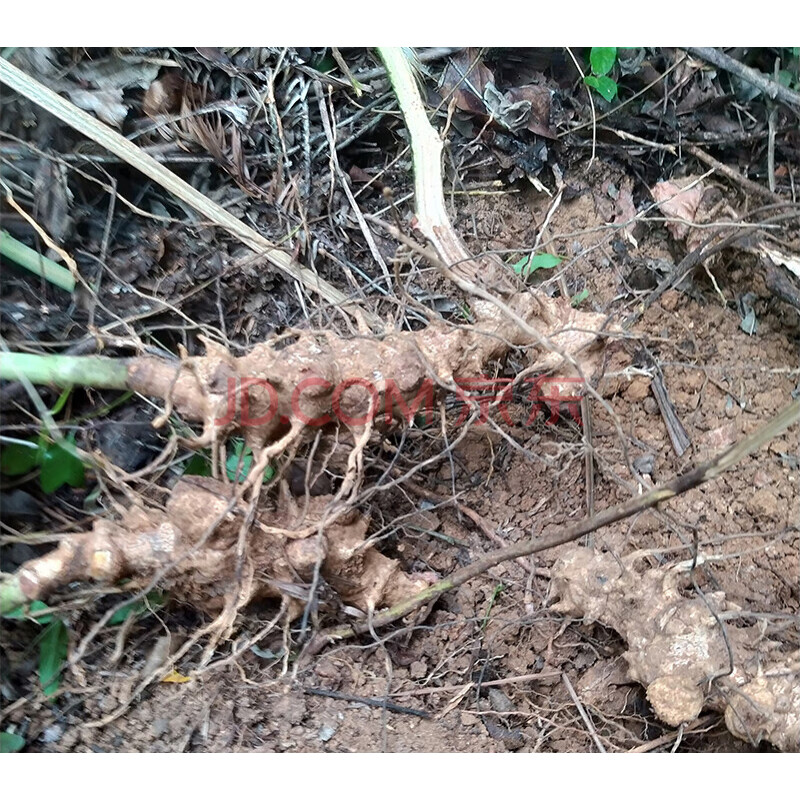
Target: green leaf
(528,264)
(240,452)
(326,64)
(246,456)
(59,466)
(24,612)
(52,655)
(199,464)
(605,87)
(121,614)
(18,459)
(11,742)
(151,602)
(579,298)
(602,59)
(518,266)
(90,501)
(62,399)
(544,261)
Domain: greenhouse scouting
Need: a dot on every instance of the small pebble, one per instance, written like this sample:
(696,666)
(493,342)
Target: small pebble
(644,464)
(650,405)
(419,669)
(326,733)
(499,701)
(52,734)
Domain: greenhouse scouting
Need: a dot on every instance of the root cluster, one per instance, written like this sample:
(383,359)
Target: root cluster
(681,649)
(214,549)
(321,378)
(193,542)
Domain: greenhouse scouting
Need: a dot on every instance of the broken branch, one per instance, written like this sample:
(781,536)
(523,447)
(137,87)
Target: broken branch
(770,87)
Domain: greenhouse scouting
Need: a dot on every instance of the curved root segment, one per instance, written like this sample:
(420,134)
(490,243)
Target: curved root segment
(682,651)
(201,569)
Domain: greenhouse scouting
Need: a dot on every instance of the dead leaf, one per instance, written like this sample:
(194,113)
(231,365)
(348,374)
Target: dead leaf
(218,58)
(697,95)
(717,123)
(511,115)
(679,202)
(471,83)
(791,262)
(102,83)
(116,73)
(465,79)
(93,85)
(538,96)
(105,104)
(39,61)
(614,203)
(53,199)
(163,96)
(175,677)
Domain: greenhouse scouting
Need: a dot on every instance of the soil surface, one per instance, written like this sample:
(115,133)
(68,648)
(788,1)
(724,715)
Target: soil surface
(490,667)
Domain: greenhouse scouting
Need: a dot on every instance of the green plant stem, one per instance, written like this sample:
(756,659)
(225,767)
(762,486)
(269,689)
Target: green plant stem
(11,595)
(29,259)
(52,370)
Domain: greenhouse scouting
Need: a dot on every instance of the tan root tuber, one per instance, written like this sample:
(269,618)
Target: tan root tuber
(194,541)
(677,650)
(276,395)
(323,377)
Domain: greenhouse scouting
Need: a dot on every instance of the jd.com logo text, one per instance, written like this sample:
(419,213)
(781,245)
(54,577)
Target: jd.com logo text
(491,396)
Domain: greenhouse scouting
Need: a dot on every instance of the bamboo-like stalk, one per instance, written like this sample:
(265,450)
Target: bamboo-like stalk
(29,259)
(97,372)
(426,150)
(11,594)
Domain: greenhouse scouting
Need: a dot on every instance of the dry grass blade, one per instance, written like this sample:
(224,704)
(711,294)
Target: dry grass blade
(47,99)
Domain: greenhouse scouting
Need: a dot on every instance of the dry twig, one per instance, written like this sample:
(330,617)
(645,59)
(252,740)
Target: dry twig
(133,155)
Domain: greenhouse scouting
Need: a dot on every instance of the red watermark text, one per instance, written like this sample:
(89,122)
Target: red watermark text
(314,401)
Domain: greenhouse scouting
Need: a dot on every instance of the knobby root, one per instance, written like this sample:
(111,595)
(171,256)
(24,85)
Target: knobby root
(280,554)
(681,649)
